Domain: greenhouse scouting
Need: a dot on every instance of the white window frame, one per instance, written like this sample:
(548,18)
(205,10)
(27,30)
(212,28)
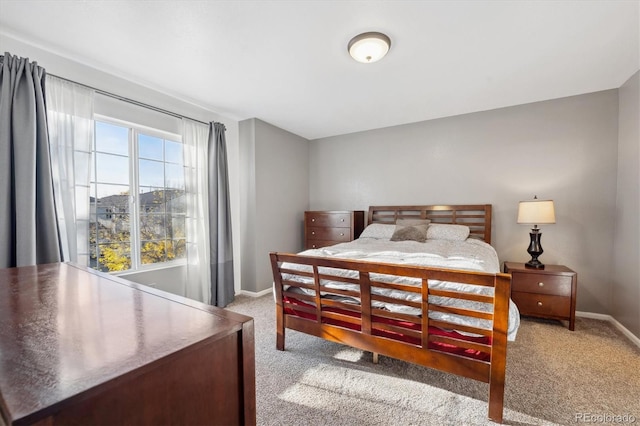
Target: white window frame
(134,188)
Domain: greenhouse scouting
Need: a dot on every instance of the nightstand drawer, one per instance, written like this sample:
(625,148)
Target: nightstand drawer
(335,234)
(542,304)
(342,220)
(542,284)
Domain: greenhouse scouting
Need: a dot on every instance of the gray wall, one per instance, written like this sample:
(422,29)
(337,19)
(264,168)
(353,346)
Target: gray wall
(626,253)
(564,149)
(275,193)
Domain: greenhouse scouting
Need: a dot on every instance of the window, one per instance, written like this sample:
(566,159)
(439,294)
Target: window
(137,198)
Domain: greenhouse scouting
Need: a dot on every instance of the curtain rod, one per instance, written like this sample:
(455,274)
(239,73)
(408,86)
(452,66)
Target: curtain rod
(131,101)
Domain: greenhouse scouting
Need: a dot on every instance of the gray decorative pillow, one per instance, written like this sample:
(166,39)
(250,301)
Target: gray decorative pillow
(438,231)
(410,233)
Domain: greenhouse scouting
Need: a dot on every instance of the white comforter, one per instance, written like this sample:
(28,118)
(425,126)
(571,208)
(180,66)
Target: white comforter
(472,255)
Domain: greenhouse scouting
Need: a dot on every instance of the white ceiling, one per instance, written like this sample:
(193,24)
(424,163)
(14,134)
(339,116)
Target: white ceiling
(286,62)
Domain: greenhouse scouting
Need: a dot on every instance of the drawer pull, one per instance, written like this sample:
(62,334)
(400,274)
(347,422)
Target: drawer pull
(313,246)
(313,220)
(342,234)
(540,284)
(342,220)
(539,303)
(313,232)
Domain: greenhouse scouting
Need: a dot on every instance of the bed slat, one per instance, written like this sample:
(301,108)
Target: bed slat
(461,311)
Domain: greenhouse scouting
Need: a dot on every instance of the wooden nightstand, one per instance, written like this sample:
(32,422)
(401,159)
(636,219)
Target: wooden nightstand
(326,228)
(544,293)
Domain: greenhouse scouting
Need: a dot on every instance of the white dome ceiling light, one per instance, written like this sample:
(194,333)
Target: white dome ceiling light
(369,47)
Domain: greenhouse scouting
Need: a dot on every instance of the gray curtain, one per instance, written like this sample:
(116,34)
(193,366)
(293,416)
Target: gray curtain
(222,288)
(28,228)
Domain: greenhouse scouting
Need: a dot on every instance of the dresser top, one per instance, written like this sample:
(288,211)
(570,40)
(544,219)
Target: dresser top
(66,329)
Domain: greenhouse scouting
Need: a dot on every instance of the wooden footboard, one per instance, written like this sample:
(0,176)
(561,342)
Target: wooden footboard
(417,339)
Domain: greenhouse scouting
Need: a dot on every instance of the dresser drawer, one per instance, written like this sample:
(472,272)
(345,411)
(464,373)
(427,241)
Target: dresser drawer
(542,305)
(335,234)
(334,220)
(541,284)
(314,244)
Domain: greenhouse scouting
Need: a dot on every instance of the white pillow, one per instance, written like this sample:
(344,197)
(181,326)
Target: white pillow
(379,231)
(438,231)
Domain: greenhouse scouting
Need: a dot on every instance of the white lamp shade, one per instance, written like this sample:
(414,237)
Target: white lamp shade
(369,47)
(536,211)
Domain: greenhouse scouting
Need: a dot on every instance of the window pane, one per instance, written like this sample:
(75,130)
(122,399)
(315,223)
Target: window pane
(150,198)
(178,249)
(114,257)
(93,231)
(113,228)
(176,202)
(83,201)
(83,162)
(111,195)
(176,227)
(153,252)
(151,173)
(112,138)
(174,176)
(173,152)
(93,256)
(152,227)
(110,214)
(110,228)
(112,169)
(150,147)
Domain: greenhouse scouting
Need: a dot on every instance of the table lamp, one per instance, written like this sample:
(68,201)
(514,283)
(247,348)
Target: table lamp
(535,212)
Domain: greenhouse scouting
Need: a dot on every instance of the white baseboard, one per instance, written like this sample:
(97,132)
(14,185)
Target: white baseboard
(256,294)
(634,339)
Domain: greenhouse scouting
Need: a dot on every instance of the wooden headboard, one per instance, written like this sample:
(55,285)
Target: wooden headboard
(476,217)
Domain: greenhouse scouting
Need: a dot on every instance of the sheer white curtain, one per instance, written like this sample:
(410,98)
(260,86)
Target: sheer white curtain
(70,123)
(195,138)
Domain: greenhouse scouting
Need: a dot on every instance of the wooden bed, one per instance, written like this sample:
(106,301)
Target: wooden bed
(415,339)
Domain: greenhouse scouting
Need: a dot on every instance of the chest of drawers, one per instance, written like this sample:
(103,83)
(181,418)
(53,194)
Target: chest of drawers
(79,347)
(544,293)
(326,228)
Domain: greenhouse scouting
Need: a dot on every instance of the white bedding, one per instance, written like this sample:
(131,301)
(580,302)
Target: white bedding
(471,254)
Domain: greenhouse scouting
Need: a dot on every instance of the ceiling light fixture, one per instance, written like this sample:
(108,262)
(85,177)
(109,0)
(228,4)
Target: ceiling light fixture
(369,47)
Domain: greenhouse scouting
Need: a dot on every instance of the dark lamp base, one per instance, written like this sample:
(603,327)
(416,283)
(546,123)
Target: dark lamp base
(535,249)
(534,264)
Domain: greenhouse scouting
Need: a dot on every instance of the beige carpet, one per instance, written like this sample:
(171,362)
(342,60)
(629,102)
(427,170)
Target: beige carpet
(554,376)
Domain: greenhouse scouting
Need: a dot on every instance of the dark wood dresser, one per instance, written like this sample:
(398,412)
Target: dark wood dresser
(544,293)
(79,347)
(326,228)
